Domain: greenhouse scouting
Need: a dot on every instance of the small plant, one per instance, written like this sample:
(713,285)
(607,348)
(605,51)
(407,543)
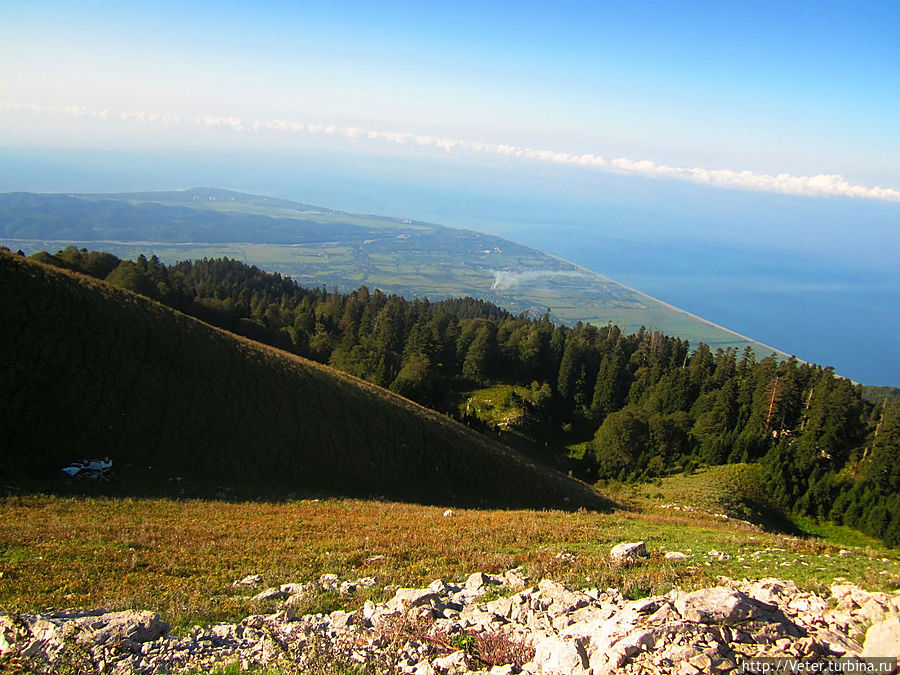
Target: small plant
(482,649)
(499,649)
(464,641)
(318,654)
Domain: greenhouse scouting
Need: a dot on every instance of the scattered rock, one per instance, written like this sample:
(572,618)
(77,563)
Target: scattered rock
(675,555)
(329,582)
(133,626)
(249,580)
(477,581)
(270,594)
(560,629)
(452,663)
(883,638)
(629,551)
(407,598)
(718,555)
(717,605)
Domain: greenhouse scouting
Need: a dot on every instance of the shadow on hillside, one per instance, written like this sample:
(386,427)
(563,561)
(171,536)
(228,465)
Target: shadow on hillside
(178,488)
(773,520)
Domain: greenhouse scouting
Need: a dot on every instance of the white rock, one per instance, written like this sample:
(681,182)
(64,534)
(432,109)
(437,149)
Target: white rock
(883,638)
(556,656)
(136,626)
(718,555)
(629,550)
(719,605)
(269,594)
(249,580)
(407,598)
(452,663)
(508,669)
(477,581)
(292,589)
(562,600)
(329,582)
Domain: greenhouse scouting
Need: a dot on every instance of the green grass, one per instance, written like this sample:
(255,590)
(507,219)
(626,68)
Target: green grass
(736,490)
(496,405)
(180,557)
(838,535)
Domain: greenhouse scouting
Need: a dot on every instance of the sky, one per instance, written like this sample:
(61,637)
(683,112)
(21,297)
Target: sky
(787,97)
(662,143)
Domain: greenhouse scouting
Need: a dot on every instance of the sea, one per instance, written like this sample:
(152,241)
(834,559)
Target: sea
(817,278)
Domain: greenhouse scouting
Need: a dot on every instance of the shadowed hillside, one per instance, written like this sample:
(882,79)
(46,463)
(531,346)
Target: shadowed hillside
(91,370)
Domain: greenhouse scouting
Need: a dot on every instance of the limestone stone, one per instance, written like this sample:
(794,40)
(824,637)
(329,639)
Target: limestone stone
(571,631)
(269,594)
(329,582)
(562,600)
(557,656)
(629,551)
(249,580)
(452,663)
(719,605)
(406,598)
(883,638)
(477,581)
(136,626)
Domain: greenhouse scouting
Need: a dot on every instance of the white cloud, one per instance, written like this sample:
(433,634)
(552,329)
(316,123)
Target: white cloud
(822,185)
(149,117)
(235,123)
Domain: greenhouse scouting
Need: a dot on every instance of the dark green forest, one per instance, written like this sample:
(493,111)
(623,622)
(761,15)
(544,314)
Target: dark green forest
(185,409)
(643,405)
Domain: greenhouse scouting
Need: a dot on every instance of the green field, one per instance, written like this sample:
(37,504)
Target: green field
(317,246)
(180,557)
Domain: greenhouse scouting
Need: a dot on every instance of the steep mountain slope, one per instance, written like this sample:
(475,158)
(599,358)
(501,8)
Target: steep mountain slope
(91,370)
(316,246)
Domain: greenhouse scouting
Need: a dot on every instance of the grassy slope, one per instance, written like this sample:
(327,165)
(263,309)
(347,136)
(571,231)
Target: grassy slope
(91,370)
(735,491)
(83,354)
(180,557)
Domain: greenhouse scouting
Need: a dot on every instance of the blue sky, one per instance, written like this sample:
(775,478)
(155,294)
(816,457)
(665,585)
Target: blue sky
(769,130)
(747,95)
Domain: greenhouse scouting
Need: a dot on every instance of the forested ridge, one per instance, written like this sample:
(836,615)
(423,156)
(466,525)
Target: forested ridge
(185,409)
(643,404)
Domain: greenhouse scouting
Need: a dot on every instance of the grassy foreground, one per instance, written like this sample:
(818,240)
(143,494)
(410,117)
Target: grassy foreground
(180,557)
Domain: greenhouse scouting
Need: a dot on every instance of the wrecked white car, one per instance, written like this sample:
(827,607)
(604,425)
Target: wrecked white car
(88,468)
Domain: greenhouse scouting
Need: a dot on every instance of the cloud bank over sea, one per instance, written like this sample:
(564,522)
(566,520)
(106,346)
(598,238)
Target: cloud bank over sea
(820,185)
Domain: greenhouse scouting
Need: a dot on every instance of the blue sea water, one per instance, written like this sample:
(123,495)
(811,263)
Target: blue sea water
(817,278)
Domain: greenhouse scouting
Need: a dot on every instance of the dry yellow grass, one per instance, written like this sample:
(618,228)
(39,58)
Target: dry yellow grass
(180,557)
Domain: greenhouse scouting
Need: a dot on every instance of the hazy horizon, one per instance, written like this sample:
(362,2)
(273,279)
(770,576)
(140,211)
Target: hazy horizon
(806,296)
(737,160)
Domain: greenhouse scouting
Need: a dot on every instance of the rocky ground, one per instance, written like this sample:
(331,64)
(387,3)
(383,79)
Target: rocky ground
(488,623)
